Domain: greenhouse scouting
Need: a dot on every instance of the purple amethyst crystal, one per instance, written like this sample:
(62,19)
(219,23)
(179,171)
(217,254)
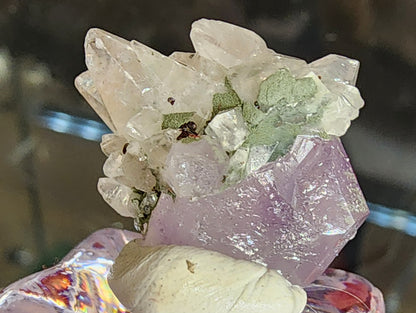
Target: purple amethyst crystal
(293,215)
(77,284)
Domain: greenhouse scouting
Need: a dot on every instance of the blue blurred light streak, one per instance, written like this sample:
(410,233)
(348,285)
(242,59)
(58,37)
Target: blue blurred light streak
(73,125)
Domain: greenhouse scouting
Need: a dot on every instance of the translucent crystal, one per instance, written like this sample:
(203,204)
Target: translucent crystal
(258,156)
(210,69)
(294,215)
(112,63)
(76,284)
(224,43)
(86,87)
(247,76)
(229,129)
(336,68)
(111,143)
(237,166)
(145,124)
(118,196)
(194,169)
(338,291)
(130,170)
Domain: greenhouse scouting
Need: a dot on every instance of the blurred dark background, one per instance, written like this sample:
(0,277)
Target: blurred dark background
(50,163)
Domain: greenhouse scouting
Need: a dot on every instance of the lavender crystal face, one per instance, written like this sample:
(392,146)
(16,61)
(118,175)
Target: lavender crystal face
(293,215)
(77,284)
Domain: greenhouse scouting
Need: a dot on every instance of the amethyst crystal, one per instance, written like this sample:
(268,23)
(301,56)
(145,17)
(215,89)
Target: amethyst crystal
(293,215)
(77,284)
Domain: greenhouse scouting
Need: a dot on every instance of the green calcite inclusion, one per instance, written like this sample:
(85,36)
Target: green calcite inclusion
(283,90)
(226,100)
(251,114)
(176,120)
(285,107)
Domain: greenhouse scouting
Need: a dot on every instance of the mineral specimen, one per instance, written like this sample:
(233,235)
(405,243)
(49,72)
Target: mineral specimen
(233,147)
(77,284)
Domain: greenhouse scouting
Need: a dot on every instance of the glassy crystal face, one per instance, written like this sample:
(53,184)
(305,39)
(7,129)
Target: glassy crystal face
(77,284)
(338,291)
(293,215)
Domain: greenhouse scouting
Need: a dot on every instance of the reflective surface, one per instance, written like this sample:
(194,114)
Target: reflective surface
(48,197)
(79,284)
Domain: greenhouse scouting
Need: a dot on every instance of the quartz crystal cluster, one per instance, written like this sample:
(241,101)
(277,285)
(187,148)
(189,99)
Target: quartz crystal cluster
(79,284)
(232,148)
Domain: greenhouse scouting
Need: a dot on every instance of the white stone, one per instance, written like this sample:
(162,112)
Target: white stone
(229,129)
(166,279)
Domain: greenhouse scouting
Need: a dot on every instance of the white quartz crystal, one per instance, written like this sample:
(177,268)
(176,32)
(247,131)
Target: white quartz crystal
(145,124)
(336,68)
(196,123)
(226,44)
(229,129)
(172,279)
(118,196)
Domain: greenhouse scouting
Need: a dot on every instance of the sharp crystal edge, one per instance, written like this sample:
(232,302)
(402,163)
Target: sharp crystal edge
(233,147)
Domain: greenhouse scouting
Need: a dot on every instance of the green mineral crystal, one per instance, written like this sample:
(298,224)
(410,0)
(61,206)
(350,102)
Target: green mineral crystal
(251,114)
(226,100)
(283,91)
(176,120)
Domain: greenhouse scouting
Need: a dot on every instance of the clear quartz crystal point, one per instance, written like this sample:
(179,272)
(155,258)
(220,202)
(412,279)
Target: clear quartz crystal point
(226,44)
(293,215)
(336,68)
(118,196)
(76,284)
